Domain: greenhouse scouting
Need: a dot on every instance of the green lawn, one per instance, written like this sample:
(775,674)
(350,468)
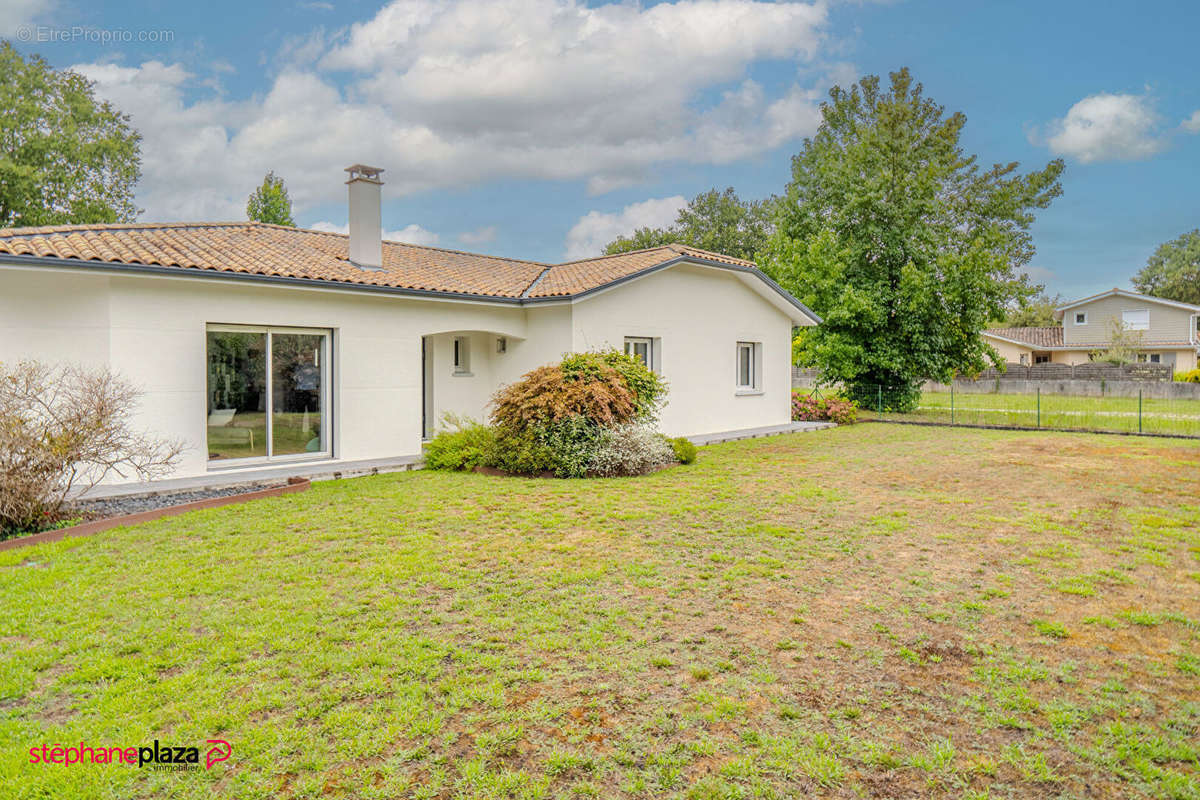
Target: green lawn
(873,611)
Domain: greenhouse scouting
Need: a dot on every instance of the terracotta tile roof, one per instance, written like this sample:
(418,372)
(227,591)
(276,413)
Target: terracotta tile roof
(273,250)
(579,276)
(1051,336)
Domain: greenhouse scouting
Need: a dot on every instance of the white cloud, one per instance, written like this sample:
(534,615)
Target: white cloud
(1192,123)
(448,94)
(409,234)
(17,15)
(1043,275)
(479,236)
(1107,127)
(595,229)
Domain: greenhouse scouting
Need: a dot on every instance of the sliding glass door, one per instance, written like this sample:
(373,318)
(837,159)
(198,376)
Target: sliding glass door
(268,393)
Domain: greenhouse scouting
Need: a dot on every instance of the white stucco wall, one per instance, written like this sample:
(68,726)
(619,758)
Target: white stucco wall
(699,315)
(153,330)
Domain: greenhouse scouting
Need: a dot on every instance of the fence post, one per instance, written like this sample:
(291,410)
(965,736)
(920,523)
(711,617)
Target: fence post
(1139,410)
(1039,406)
(952,401)
(879,400)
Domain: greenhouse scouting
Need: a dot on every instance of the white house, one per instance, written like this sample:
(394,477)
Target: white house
(271,350)
(1164,331)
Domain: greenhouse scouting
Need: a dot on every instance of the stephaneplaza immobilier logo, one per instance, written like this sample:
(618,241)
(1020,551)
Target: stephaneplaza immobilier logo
(156,757)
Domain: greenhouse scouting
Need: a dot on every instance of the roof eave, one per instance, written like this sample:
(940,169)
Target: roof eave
(809,316)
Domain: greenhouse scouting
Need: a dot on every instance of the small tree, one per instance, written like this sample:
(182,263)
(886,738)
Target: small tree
(270,202)
(717,221)
(65,429)
(1123,346)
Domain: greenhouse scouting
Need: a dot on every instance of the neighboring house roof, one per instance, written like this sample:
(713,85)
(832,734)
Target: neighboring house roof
(1050,336)
(1058,312)
(256,249)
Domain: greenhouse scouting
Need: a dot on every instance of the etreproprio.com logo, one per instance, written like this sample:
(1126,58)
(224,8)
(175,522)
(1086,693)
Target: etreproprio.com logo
(155,757)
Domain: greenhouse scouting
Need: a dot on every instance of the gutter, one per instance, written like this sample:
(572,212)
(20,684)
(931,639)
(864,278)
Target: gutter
(81,265)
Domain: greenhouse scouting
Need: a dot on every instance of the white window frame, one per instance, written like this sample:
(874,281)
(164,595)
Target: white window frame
(460,355)
(651,354)
(1127,325)
(327,424)
(754,353)
(1079,314)
(1149,358)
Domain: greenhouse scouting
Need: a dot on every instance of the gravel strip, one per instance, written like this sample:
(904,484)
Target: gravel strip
(119,506)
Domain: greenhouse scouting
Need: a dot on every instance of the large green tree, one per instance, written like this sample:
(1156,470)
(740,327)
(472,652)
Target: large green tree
(714,220)
(900,241)
(1173,272)
(270,202)
(65,157)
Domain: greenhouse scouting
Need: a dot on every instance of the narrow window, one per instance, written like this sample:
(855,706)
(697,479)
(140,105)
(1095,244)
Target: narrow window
(1081,318)
(642,348)
(747,366)
(462,355)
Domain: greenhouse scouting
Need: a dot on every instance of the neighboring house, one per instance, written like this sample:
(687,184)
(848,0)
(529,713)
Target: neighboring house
(264,346)
(1167,331)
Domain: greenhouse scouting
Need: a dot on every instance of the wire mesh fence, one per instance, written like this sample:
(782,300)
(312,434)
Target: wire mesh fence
(1136,414)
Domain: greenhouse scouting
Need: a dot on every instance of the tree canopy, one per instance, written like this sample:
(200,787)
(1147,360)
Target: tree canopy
(1173,272)
(714,220)
(270,202)
(65,157)
(900,241)
(1036,312)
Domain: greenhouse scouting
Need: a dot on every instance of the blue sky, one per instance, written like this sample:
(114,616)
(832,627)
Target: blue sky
(541,128)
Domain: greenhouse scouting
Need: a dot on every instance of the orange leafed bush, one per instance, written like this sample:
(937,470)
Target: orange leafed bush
(546,395)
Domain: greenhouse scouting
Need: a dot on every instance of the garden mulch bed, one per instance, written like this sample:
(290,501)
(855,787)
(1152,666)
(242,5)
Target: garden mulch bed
(100,515)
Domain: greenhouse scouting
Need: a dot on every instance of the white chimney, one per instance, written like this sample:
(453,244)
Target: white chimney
(366,224)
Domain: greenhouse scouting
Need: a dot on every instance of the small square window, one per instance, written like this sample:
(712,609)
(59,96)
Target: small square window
(642,348)
(1081,318)
(502,345)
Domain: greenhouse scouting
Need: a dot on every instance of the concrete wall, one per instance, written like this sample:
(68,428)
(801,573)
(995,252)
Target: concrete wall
(1167,324)
(1161,390)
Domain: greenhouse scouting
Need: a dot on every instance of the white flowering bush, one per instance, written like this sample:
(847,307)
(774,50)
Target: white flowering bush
(630,450)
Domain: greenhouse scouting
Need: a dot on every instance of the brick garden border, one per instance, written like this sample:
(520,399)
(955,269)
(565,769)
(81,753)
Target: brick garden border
(293,486)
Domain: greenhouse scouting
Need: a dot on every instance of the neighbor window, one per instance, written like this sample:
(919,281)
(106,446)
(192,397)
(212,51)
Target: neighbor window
(1137,319)
(1151,358)
(748,366)
(1081,318)
(641,348)
(268,392)
(1041,359)
(462,355)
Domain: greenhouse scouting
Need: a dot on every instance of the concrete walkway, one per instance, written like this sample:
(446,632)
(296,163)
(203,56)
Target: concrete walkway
(275,473)
(755,433)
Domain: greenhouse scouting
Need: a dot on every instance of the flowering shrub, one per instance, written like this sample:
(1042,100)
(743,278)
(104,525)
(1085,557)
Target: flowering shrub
(813,408)
(630,450)
(588,414)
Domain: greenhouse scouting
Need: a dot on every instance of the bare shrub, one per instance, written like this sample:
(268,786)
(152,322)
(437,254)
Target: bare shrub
(64,429)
